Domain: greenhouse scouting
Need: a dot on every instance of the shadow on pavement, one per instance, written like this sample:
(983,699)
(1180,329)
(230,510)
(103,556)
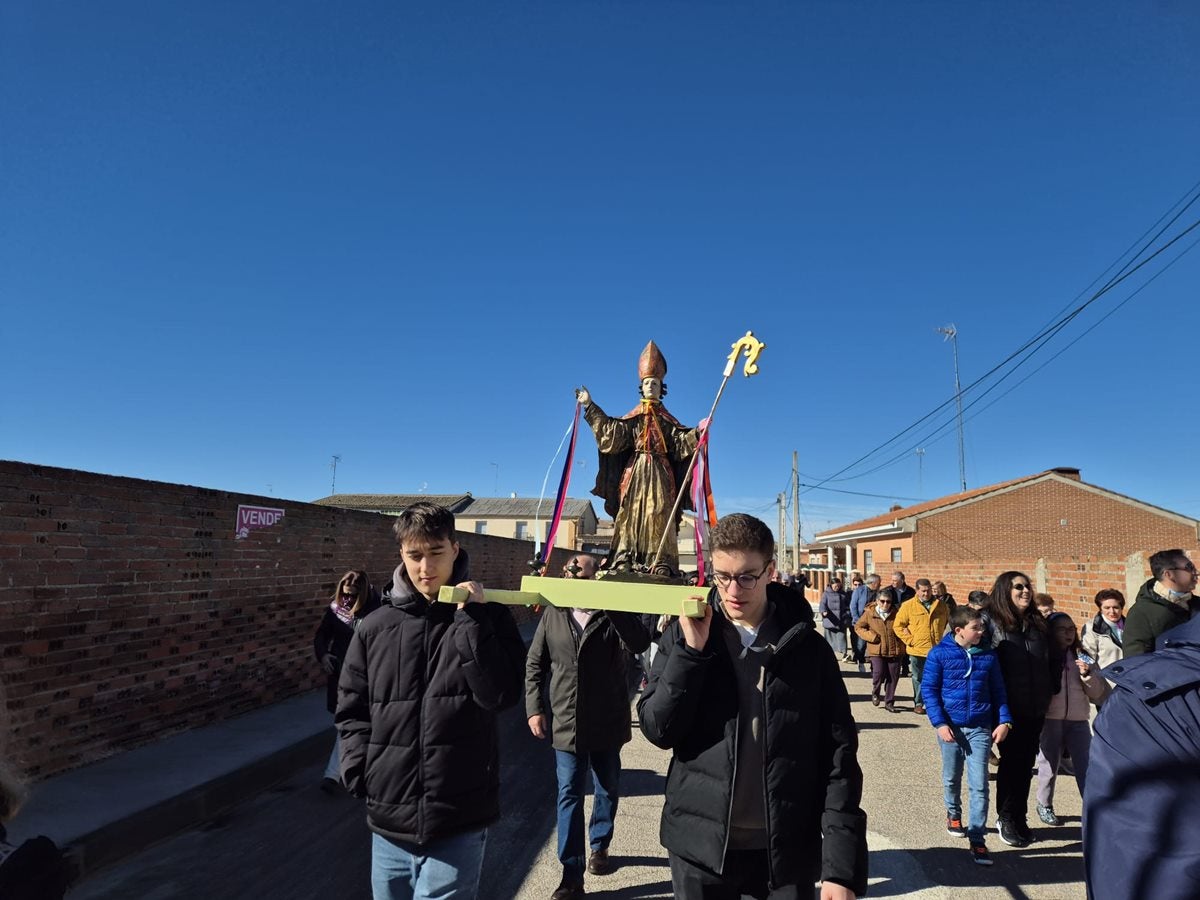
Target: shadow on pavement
(528,794)
(877,726)
(658,889)
(953,867)
(642,783)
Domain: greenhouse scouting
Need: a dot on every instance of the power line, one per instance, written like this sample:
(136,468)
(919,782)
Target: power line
(816,487)
(1036,342)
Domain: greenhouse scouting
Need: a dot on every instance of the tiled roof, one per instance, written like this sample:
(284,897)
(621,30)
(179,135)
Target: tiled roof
(453,502)
(512,507)
(928,506)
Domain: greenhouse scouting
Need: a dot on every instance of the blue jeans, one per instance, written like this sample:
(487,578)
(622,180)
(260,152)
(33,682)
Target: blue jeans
(440,870)
(971,745)
(572,770)
(916,668)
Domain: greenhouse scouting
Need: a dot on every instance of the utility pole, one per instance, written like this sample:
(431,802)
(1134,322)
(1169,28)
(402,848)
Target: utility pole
(795,511)
(951,334)
(782,503)
(921,470)
(333,465)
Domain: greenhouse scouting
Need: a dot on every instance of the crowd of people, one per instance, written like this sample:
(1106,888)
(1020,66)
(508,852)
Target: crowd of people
(764,788)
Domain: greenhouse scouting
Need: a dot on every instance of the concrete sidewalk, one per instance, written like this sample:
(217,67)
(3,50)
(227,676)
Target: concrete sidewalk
(105,811)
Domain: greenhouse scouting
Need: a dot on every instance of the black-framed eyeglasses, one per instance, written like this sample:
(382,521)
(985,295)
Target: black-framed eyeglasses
(1022,587)
(1190,567)
(746,581)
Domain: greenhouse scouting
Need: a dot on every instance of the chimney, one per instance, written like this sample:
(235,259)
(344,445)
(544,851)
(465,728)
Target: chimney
(1067,472)
(512,496)
(894,507)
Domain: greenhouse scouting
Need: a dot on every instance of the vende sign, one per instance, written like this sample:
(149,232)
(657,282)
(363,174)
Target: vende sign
(251,518)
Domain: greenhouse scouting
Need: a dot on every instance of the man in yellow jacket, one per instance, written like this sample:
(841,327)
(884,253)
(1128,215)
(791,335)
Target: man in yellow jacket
(921,623)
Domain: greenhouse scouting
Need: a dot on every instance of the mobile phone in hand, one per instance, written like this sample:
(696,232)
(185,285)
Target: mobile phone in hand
(1085,659)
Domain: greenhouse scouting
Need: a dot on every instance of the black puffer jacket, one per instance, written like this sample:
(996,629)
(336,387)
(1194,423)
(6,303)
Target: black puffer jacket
(417,706)
(1025,662)
(815,828)
(588,692)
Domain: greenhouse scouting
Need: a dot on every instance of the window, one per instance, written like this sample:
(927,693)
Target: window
(481,527)
(869,561)
(522,531)
(897,555)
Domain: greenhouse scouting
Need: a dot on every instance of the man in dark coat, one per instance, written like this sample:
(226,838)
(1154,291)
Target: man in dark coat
(1166,600)
(763,791)
(417,704)
(583,654)
(1140,838)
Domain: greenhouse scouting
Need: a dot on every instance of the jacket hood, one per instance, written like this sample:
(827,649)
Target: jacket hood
(401,593)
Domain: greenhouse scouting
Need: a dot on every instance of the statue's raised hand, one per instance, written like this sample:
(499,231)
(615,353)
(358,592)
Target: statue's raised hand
(583,396)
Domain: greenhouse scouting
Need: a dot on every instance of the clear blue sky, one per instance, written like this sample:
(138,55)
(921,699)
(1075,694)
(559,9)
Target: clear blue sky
(236,239)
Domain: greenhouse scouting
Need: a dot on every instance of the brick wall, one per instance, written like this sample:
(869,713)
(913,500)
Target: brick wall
(1028,522)
(128,611)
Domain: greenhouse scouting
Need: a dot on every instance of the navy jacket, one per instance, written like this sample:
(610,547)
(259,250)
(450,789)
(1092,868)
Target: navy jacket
(835,610)
(963,689)
(1143,785)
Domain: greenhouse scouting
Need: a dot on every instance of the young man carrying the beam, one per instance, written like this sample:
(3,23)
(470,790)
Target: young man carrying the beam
(763,792)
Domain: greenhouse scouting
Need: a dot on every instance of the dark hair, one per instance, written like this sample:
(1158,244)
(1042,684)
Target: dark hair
(1053,619)
(740,532)
(662,392)
(962,615)
(886,593)
(1004,612)
(1109,594)
(363,581)
(980,597)
(925,582)
(1163,560)
(424,522)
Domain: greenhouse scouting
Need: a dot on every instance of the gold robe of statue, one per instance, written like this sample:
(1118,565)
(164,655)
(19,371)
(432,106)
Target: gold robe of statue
(644,457)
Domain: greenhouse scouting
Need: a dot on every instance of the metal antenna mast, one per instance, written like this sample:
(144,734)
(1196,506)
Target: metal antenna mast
(951,334)
(333,465)
(795,511)
(920,470)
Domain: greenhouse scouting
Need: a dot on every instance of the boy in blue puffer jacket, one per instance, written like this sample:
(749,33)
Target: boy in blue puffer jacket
(963,690)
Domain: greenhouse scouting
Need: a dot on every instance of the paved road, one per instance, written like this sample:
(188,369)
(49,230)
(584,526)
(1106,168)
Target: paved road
(295,842)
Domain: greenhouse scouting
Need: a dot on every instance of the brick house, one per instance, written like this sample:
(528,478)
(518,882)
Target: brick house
(1069,535)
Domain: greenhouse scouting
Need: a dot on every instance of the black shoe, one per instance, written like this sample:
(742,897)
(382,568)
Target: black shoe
(890,707)
(1025,832)
(874,699)
(599,863)
(980,856)
(954,826)
(1010,835)
(568,890)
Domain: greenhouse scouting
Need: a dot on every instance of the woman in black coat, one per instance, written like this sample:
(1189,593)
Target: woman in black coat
(1019,638)
(353,599)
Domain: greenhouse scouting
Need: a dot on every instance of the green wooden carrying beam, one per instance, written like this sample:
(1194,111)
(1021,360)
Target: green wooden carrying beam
(619,596)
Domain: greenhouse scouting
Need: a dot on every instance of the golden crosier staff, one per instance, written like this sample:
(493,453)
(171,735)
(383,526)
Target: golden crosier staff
(750,346)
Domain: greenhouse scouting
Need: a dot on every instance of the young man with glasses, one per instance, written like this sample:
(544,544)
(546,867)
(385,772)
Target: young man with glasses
(763,792)
(1166,600)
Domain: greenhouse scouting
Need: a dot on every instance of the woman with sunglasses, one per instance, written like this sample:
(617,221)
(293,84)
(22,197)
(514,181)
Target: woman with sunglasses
(1019,636)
